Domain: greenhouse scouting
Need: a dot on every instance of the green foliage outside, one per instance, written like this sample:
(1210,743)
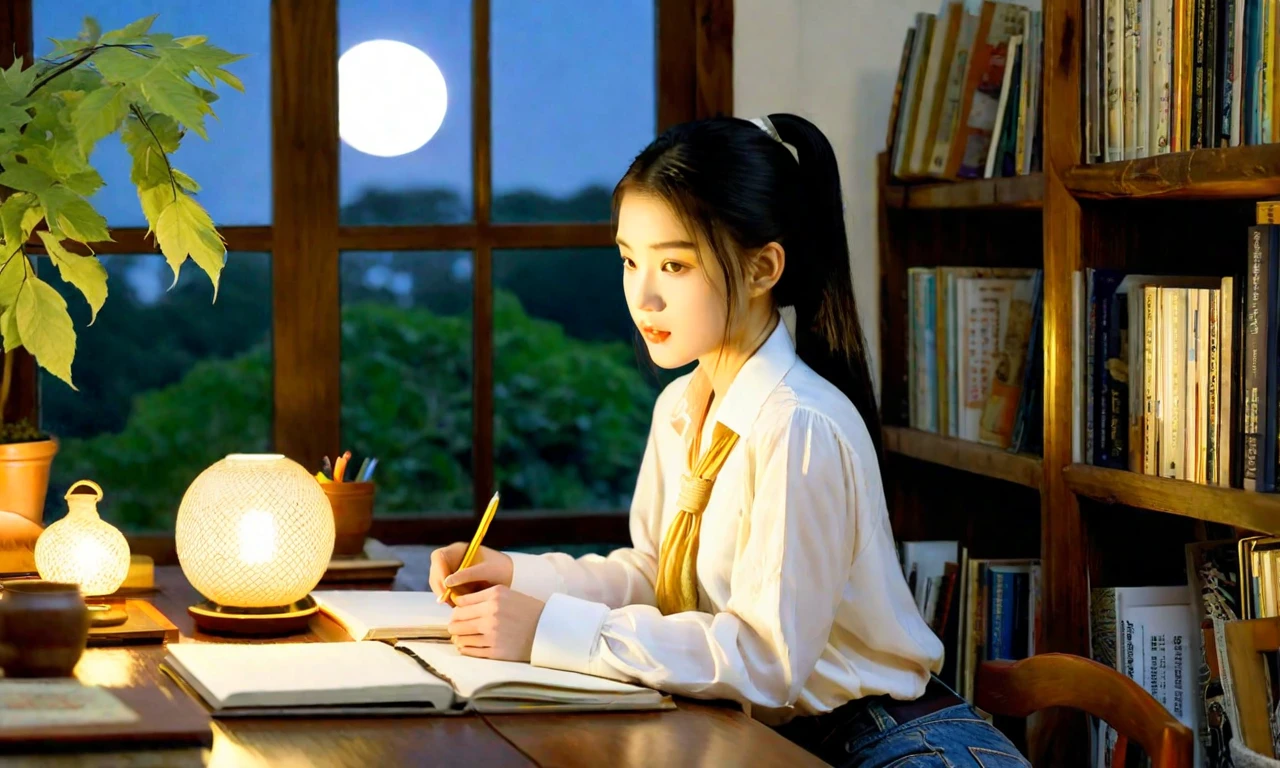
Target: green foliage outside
(571,418)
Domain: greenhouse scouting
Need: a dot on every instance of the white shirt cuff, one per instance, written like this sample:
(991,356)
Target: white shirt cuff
(533,575)
(567,634)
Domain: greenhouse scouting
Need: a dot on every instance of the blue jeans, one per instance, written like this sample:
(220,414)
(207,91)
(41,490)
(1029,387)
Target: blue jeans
(864,735)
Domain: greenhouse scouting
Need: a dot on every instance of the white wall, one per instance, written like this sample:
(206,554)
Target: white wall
(833,62)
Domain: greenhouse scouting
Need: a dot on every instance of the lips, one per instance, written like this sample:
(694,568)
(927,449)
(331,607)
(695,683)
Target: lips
(653,335)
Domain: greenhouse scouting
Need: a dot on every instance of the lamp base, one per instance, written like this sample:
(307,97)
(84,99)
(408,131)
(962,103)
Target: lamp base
(106,612)
(276,620)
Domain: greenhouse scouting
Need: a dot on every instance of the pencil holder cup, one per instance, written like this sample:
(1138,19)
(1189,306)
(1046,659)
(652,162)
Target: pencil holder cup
(352,515)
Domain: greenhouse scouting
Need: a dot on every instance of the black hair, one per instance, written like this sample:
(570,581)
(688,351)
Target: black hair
(739,189)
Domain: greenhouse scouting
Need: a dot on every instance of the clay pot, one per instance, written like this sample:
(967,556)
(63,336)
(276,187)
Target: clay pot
(44,626)
(24,477)
(352,515)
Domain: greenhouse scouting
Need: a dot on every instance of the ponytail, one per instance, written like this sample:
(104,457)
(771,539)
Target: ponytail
(819,284)
(740,188)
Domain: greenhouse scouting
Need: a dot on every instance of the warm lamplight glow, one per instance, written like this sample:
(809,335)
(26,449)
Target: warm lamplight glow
(254,531)
(82,548)
(391,97)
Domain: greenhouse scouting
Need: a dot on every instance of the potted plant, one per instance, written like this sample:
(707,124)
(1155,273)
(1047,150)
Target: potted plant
(147,87)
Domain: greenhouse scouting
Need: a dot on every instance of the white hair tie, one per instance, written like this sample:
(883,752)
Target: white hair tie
(766,125)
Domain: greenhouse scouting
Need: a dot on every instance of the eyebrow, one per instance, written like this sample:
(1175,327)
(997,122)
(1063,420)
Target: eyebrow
(665,246)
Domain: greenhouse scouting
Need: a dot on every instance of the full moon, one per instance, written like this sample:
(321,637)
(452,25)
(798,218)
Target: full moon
(391,97)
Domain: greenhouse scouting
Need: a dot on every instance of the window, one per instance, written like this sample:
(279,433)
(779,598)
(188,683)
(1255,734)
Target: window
(441,289)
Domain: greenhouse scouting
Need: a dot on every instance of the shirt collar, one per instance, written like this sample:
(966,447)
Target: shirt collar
(759,376)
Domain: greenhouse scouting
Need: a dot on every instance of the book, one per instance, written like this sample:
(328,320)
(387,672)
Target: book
(386,614)
(367,677)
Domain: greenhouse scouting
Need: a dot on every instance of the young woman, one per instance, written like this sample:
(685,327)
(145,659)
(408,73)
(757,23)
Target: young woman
(763,568)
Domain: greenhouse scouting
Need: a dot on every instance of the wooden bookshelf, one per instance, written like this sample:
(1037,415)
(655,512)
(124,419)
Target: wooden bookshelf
(1009,193)
(965,455)
(1251,172)
(1178,214)
(1215,504)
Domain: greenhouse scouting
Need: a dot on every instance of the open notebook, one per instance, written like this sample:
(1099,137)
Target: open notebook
(386,615)
(367,677)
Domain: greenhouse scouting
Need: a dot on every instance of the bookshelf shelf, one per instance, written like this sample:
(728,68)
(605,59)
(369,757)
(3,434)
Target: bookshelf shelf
(1010,193)
(965,455)
(1231,506)
(1245,172)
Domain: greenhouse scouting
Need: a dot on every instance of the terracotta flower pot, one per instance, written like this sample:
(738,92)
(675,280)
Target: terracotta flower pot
(24,477)
(352,515)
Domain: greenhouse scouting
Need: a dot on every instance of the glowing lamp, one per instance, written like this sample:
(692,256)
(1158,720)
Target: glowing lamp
(84,549)
(254,536)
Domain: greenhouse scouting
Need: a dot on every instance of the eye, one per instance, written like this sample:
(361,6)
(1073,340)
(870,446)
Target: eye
(627,263)
(674,267)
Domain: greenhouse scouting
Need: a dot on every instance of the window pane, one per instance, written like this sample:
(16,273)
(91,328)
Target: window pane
(574,101)
(572,397)
(169,382)
(234,166)
(390,99)
(406,376)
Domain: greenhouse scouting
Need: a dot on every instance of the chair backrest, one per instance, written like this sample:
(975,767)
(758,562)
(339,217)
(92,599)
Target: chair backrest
(1246,642)
(1020,688)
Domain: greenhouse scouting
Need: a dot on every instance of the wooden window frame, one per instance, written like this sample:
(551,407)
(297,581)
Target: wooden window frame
(694,79)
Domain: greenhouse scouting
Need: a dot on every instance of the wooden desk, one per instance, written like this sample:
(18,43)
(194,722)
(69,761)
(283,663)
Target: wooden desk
(695,734)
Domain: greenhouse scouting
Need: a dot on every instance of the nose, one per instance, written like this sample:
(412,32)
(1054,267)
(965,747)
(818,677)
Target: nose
(643,293)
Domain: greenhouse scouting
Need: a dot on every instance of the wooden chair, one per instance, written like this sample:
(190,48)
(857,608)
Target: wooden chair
(1246,642)
(1020,688)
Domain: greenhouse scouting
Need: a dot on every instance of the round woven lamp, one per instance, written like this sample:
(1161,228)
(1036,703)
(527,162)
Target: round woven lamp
(254,536)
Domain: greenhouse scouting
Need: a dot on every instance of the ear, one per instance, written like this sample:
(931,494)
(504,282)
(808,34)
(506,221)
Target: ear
(765,270)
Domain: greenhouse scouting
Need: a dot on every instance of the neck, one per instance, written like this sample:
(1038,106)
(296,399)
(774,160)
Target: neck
(723,366)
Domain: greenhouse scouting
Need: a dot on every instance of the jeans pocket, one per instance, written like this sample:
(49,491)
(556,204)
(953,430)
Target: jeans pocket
(921,760)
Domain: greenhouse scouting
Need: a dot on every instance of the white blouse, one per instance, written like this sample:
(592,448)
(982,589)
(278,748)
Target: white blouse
(802,603)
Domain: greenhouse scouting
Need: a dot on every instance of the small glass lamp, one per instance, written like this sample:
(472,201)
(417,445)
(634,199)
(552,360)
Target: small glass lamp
(254,536)
(84,549)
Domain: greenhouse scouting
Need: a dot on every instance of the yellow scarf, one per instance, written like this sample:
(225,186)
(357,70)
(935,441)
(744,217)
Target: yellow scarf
(677,587)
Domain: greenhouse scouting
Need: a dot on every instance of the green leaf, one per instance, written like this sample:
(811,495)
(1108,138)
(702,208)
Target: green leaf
(13,118)
(171,95)
(25,177)
(121,65)
(132,32)
(84,183)
(185,181)
(183,228)
(45,327)
(190,40)
(9,328)
(91,32)
(84,272)
(229,79)
(19,214)
(71,216)
(18,80)
(14,268)
(154,200)
(99,114)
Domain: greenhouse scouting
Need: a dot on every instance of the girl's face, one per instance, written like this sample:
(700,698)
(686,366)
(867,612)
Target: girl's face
(678,305)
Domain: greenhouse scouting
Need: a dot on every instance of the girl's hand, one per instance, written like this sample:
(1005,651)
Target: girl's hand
(490,568)
(495,623)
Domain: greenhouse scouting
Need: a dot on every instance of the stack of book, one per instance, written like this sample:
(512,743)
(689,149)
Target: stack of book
(974,354)
(968,98)
(1179,373)
(982,609)
(1174,75)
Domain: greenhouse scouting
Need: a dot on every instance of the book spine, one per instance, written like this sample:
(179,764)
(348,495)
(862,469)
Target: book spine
(1150,397)
(1213,394)
(1271,434)
(1254,348)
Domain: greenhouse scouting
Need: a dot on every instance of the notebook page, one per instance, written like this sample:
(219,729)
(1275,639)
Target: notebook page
(373,614)
(470,675)
(284,674)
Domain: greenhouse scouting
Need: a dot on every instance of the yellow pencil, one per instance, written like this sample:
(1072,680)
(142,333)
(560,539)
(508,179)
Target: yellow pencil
(473,548)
